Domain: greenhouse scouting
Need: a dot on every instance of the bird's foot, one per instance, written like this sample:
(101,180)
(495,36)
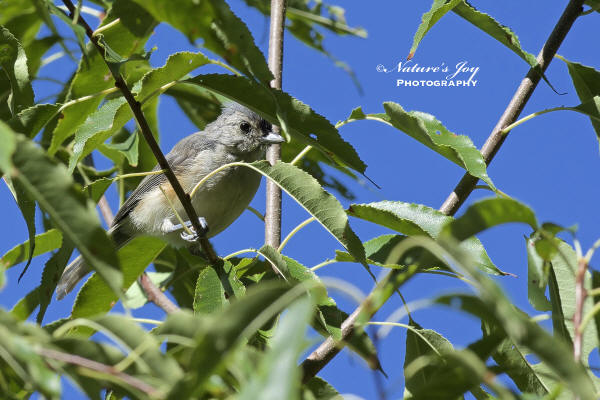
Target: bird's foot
(187,226)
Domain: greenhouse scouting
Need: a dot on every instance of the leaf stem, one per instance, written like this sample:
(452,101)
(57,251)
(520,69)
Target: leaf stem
(301,155)
(256,212)
(106,27)
(323,264)
(294,231)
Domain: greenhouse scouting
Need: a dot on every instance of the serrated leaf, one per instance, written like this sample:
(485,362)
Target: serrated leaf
(318,389)
(115,113)
(276,260)
(323,206)
(222,32)
(7,149)
(134,257)
(438,9)
(92,75)
(426,129)
(488,213)
(30,120)
(301,122)
(419,220)
(36,49)
(57,195)
(26,305)
(14,64)
(212,287)
(129,148)
(489,25)
(277,375)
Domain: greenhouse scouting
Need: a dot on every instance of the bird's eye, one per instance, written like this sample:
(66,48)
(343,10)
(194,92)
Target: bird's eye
(245,127)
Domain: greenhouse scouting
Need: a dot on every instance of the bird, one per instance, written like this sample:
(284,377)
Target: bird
(238,134)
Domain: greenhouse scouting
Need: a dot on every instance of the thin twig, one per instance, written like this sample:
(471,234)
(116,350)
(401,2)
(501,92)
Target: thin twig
(273,205)
(99,367)
(156,295)
(516,105)
(136,108)
(330,348)
(105,210)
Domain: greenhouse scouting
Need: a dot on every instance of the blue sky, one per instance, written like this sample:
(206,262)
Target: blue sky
(550,163)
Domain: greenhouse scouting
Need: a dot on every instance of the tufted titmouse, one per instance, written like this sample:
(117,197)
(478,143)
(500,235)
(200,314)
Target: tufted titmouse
(238,134)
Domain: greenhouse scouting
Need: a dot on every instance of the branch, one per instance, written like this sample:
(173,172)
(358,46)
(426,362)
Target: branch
(516,105)
(136,108)
(155,295)
(99,367)
(273,206)
(330,348)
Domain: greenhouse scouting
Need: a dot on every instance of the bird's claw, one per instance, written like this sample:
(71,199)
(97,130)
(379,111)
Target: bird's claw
(193,236)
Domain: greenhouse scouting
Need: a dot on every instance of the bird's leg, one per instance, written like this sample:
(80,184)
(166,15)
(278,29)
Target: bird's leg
(169,227)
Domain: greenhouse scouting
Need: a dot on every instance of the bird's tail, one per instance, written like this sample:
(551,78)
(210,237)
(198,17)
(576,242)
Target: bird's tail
(72,274)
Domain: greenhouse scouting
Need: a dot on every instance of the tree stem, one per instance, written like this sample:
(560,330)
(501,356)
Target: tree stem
(273,205)
(330,348)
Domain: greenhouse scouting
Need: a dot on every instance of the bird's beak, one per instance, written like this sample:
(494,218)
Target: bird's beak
(272,138)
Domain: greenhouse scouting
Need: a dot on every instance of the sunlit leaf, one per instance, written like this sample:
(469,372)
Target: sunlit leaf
(426,129)
(438,9)
(418,220)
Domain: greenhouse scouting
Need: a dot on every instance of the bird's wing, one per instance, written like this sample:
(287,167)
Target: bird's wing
(184,150)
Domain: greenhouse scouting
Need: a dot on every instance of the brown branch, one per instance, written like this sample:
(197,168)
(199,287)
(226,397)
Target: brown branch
(105,210)
(136,108)
(580,296)
(273,206)
(99,367)
(516,105)
(330,348)
(155,295)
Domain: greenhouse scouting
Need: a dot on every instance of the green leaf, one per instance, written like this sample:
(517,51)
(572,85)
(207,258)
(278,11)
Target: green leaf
(564,266)
(216,334)
(222,32)
(426,129)
(318,389)
(36,374)
(512,360)
(58,196)
(307,192)
(537,279)
(14,64)
(50,276)
(212,287)
(489,25)
(277,375)
(27,305)
(329,318)
(200,105)
(7,149)
(488,213)
(419,220)
(30,120)
(438,9)
(300,121)
(276,260)
(134,337)
(115,113)
(586,82)
(129,148)
(422,342)
(134,257)
(126,38)
(36,49)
